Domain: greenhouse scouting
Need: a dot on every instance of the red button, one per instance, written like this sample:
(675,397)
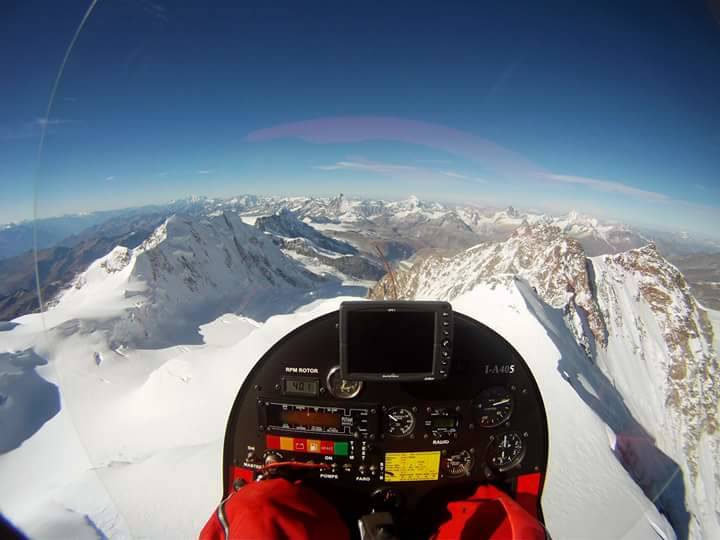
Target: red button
(272,442)
(327,447)
(300,445)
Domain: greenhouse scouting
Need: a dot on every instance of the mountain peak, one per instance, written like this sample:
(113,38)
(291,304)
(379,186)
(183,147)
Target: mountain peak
(339,205)
(541,231)
(650,250)
(648,296)
(285,224)
(187,267)
(554,265)
(510,214)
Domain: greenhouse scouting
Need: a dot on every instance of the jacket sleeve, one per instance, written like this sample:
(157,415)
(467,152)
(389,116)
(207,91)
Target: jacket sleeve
(275,510)
(490,514)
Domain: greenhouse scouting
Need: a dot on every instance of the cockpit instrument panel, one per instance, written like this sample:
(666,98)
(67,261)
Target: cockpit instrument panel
(421,435)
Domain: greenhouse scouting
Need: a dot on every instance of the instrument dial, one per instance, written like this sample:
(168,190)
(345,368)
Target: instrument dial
(459,464)
(342,388)
(494,406)
(506,451)
(399,422)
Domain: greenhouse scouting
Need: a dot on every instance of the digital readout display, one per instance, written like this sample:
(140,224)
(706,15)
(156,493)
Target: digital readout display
(311,418)
(443,422)
(301,387)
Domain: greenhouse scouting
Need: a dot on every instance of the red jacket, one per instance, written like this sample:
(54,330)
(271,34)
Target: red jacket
(275,510)
(280,510)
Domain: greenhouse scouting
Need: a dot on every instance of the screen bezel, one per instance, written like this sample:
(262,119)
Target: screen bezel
(437,308)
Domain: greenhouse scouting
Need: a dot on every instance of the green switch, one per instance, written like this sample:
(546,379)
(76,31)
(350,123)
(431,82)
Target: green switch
(341,449)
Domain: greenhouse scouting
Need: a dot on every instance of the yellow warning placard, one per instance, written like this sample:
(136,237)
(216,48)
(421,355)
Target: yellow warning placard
(411,466)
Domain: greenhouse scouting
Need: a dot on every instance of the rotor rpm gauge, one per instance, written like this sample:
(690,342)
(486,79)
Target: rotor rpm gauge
(459,464)
(494,406)
(506,451)
(342,388)
(399,422)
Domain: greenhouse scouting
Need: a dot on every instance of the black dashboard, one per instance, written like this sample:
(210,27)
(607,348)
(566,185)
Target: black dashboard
(404,445)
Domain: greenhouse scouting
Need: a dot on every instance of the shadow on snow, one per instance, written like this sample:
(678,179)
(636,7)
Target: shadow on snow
(659,476)
(27,400)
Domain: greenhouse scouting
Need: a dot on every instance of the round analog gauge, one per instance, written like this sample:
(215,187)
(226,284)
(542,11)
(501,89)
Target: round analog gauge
(459,464)
(399,422)
(342,388)
(493,407)
(506,451)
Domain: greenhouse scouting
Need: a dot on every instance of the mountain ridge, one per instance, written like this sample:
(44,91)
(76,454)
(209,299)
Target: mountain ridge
(400,229)
(187,266)
(632,313)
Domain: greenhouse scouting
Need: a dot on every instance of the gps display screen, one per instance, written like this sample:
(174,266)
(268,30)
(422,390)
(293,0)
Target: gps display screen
(399,342)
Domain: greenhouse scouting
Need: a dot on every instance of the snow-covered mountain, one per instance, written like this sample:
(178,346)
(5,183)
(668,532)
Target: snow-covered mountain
(597,237)
(188,270)
(324,262)
(590,493)
(342,210)
(632,314)
(339,225)
(554,264)
(659,334)
(317,252)
(285,224)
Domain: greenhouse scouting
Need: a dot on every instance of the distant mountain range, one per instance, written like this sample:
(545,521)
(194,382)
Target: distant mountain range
(703,273)
(337,235)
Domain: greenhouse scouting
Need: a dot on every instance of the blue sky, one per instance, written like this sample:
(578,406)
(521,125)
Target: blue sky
(611,108)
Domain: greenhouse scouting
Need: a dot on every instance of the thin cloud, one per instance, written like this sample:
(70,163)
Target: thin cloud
(398,171)
(353,129)
(373,166)
(32,128)
(507,163)
(206,171)
(156,10)
(453,174)
(435,161)
(50,121)
(608,186)
(463,177)
(109,178)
